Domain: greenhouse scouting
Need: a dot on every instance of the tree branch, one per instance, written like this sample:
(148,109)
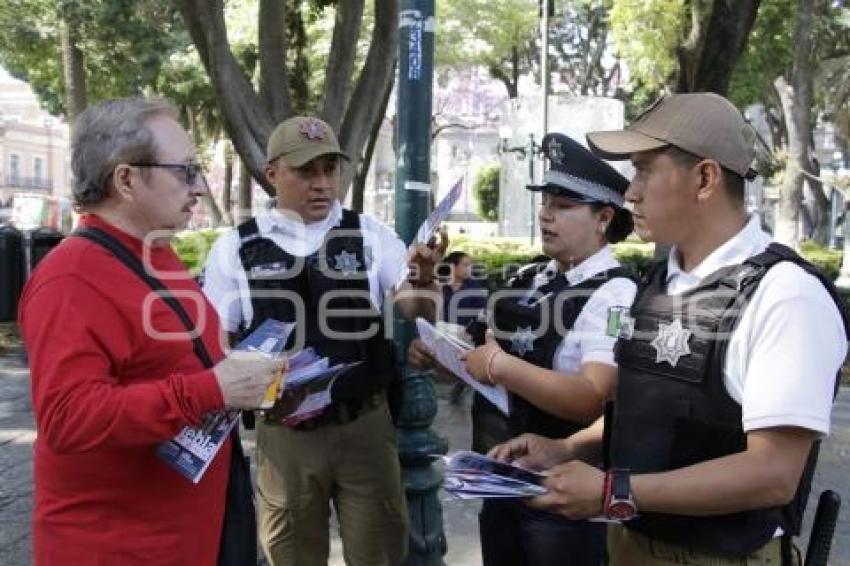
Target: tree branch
(274,84)
(349,15)
(359,183)
(364,106)
(246,122)
(688,52)
(497,73)
(443,127)
(724,41)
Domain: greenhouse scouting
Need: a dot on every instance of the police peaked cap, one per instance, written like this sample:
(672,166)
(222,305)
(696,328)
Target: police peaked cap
(575,173)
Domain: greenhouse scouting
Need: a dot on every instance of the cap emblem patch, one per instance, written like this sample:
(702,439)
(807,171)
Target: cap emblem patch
(312,129)
(556,152)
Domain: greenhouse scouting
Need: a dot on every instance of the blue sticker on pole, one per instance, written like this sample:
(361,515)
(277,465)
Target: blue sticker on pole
(414,60)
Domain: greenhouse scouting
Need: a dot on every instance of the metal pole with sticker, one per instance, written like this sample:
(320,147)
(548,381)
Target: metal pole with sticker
(412,202)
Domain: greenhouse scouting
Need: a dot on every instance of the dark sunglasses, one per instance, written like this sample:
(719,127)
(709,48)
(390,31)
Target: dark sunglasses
(191,171)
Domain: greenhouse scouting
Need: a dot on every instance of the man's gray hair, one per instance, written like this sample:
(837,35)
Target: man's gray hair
(108,134)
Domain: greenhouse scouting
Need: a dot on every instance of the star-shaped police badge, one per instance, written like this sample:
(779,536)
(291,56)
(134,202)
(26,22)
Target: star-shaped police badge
(522,341)
(556,153)
(347,262)
(671,343)
(312,129)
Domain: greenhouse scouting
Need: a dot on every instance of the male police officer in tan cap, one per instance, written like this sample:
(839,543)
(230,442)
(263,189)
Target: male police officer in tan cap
(728,362)
(329,270)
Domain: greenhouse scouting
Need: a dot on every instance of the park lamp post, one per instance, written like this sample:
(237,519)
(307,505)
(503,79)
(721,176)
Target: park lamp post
(417,442)
(522,152)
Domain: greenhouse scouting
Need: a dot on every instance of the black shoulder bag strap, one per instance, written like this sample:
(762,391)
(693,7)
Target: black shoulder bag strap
(238,543)
(126,257)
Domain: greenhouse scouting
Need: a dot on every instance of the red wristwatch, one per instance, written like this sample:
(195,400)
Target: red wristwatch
(619,503)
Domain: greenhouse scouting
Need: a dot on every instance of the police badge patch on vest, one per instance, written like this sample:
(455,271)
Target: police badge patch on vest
(522,341)
(346,263)
(671,343)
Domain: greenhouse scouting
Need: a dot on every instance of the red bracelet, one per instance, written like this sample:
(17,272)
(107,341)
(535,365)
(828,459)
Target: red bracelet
(492,357)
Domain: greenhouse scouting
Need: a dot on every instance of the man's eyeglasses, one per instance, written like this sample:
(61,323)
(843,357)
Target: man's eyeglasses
(192,171)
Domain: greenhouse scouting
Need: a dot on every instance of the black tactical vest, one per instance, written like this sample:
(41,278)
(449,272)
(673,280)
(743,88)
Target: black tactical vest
(531,325)
(322,289)
(672,409)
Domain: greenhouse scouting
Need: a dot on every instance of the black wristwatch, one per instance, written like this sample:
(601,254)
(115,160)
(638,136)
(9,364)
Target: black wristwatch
(621,504)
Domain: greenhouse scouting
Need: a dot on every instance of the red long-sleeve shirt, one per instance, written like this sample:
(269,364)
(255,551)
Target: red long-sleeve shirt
(114,375)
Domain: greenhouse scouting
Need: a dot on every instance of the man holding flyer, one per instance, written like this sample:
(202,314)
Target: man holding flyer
(115,374)
(329,270)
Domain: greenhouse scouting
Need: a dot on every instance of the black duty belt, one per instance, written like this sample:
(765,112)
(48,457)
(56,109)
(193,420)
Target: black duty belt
(342,412)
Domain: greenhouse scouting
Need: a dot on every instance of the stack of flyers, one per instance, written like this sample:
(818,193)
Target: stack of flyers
(192,450)
(310,376)
(469,475)
(315,403)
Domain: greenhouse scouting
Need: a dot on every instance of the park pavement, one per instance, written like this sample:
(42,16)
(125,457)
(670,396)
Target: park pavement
(17,433)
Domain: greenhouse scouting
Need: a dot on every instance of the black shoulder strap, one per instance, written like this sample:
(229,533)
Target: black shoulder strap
(126,257)
(350,220)
(622,272)
(747,277)
(654,276)
(777,252)
(603,277)
(525,275)
(248,229)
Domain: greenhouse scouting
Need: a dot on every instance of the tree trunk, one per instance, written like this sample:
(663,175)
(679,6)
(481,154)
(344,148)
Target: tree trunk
(207,198)
(274,82)
(820,232)
(246,116)
(500,75)
(246,121)
(364,108)
(338,73)
(296,39)
(787,229)
(73,69)
(244,204)
(797,101)
(708,57)
(226,213)
(359,183)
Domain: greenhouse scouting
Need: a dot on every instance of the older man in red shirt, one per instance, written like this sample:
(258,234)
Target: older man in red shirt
(114,373)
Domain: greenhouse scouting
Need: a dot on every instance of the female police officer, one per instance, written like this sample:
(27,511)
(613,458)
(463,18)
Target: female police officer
(551,350)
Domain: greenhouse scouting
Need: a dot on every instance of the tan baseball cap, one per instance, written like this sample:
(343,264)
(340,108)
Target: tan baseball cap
(702,123)
(299,139)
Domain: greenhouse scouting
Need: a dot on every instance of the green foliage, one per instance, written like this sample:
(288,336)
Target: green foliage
(635,255)
(498,258)
(483,32)
(486,191)
(825,259)
(125,44)
(646,34)
(193,247)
